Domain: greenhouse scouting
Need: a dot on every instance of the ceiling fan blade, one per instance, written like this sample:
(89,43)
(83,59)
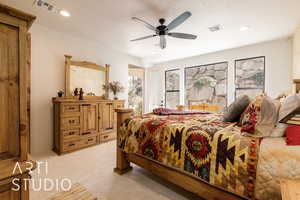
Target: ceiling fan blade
(142,38)
(183,36)
(149,26)
(179,20)
(163,41)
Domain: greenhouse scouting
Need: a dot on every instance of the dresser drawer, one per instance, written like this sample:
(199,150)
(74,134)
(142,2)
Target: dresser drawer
(107,137)
(88,134)
(70,108)
(71,145)
(70,122)
(71,134)
(88,141)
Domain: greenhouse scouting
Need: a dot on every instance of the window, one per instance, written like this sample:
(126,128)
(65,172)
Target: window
(207,84)
(250,76)
(136,89)
(172,85)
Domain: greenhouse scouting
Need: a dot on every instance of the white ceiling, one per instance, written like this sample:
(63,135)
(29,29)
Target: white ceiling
(108,22)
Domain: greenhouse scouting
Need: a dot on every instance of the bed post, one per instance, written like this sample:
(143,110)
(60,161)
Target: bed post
(122,164)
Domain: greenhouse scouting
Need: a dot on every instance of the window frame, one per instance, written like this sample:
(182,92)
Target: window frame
(205,65)
(171,91)
(248,88)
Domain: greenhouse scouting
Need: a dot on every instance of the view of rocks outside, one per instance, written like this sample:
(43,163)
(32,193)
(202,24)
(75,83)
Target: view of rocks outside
(207,84)
(135,94)
(172,88)
(250,76)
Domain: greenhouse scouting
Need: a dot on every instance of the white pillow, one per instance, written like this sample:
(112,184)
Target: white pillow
(290,104)
(279,130)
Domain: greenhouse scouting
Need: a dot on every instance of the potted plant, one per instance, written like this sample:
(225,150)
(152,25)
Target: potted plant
(115,87)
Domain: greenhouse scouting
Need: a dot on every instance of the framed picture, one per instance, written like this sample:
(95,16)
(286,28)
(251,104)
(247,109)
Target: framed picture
(207,84)
(250,76)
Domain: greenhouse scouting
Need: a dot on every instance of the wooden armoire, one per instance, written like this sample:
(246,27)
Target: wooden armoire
(14,103)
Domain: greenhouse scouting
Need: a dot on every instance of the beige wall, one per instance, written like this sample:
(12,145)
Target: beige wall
(296,54)
(47,74)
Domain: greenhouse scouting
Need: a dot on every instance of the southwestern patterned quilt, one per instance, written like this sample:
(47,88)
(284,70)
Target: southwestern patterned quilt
(201,145)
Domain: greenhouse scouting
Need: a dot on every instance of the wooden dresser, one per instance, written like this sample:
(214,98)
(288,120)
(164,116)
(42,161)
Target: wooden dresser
(83,123)
(14,103)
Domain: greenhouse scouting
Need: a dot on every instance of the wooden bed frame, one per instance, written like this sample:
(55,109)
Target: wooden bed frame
(188,182)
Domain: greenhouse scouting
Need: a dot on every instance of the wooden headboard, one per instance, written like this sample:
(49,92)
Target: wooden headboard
(297,82)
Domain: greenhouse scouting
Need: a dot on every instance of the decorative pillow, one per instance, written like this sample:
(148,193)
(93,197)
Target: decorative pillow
(237,108)
(260,117)
(293,135)
(158,111)
(279,130)
(290,104)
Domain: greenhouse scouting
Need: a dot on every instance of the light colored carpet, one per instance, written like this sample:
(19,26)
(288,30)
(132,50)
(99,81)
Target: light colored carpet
(93,168)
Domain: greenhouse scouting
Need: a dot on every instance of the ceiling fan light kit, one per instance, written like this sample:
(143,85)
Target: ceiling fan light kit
(162,30)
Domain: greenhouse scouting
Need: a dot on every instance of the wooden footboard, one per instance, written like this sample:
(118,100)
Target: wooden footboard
(122,164)
(188,182)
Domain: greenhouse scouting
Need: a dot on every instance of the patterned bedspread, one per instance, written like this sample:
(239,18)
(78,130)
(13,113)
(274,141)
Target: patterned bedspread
(201,145)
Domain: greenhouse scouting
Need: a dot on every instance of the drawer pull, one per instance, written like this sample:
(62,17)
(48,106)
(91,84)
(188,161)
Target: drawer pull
(90,140)
(105,136)
(86,104)
(108,128)
(72,133)
(72,121)
(86,133)
(70,145)
(71,108)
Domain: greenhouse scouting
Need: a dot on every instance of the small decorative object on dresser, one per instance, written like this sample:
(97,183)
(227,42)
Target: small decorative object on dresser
(60,93)
(81,92)
(290,189)
(15,56)
(297,83)
(83,123)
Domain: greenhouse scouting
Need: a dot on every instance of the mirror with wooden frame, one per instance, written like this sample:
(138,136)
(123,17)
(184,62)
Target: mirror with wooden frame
(86,75)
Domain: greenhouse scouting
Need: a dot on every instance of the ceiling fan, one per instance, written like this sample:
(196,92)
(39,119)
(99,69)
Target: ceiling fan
(162,30)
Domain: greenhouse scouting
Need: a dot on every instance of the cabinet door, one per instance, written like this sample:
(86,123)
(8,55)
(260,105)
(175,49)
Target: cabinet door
(6,192)
(9,195)
(89,118)
(106,116)
(9,90)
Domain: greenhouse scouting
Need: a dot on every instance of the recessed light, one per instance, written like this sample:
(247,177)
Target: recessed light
(245,28)
(65,13)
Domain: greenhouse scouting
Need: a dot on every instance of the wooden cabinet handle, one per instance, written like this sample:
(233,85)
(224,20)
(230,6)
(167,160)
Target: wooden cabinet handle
(85,104)
(86,133)
(105,136)
(90,140)
(71,108)
(72,121)
(72,133)
(70,145)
